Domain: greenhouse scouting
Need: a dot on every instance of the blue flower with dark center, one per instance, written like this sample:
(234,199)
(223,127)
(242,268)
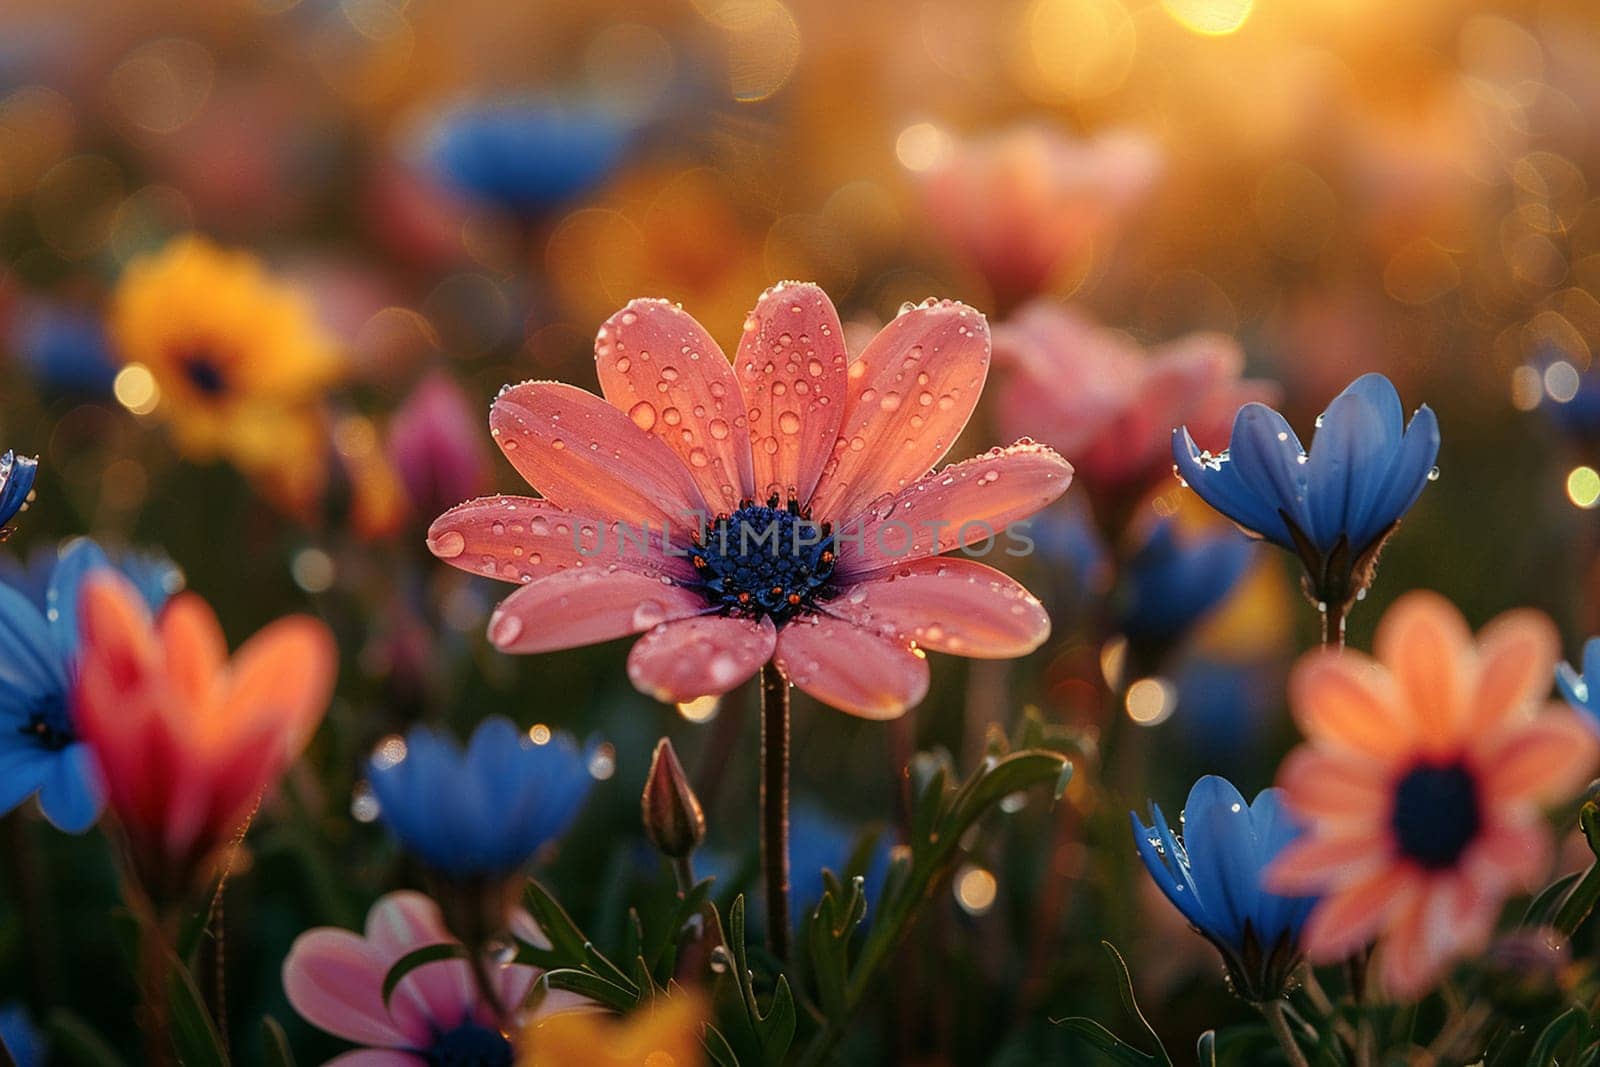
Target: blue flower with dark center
(485,811)
(40,752)
(1576,688)
(1213,876)
(764,560)
(526,156)
(16,482)
(1174,581)
(470,1045)
(1436,814)
(1333,507)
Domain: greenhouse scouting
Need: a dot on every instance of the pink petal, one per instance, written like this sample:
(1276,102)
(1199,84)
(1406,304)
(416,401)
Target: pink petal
(334,980)
(405,920)
(399,923)
(851,669)
(910,395)
(963,505)
(704,656)
(661,367)
(521,538)
(957,606)
(792,365)
(573,608)
(587,457)
(377,1057)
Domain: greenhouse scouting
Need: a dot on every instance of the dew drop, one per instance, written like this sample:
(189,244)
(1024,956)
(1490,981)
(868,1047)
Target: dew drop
(448,545)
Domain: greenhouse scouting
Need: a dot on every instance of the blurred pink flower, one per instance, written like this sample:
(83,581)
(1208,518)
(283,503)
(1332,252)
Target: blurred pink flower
(825,458)
(436,1014)
(1109,405)
(1031,204)
(435,445)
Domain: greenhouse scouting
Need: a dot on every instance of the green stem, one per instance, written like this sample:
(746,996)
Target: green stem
(775,806)
(683,873)
(1272,1010)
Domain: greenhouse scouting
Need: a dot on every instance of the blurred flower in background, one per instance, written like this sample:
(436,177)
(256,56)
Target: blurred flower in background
(64,346)
(16,485)
(525,156)
(435,443)
(664,1032)
(1031,209)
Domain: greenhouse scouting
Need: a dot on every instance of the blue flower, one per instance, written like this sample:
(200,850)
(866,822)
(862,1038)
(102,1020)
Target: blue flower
(1213,876)
(20,1037)
(526,155)
(1173,582)
(16,482)
(1333,507)
(66,348)
(1583,690)
(485,811)
(39,748)
(818,840)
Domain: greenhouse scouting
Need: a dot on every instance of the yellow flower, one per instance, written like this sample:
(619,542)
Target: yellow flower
(664,1034)
(237,356)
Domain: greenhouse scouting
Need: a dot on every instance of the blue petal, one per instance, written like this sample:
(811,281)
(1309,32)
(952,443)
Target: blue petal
(30,669)
(1221,851)
(1591,659)
(1408,475)
(1146,839)
(1274,828)
(72,796)
(24,767)
(1349,457)
(16,482)
(1218,483)
(1574,687)
(79,558)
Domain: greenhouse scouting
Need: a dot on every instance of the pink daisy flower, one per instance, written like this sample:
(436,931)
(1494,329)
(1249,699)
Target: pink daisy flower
(1421,786)
(1109,405)
(780,507)
(436,1014)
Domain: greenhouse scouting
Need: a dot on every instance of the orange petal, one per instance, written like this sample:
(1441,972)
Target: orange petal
(1517,654)
(195,647)
(285,671)
(1544,761)
(1510,856)
(1349,919)
(1346,701)
(1426,645)
(1314,864)
(1335,789)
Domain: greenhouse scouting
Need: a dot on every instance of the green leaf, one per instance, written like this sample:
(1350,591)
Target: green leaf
(194,1036)
(1572,1023)
(717,1047)
(587,983)
(275,1043)
(75,1041)
(828,936)
(774,1029)
(1540,907)
(1130,1003)
(418,957)
(1105,1041)
(567,941)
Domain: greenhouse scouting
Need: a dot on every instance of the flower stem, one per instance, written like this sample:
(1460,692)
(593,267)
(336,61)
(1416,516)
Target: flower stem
(1272,1010)
(775,806)
(1333,625)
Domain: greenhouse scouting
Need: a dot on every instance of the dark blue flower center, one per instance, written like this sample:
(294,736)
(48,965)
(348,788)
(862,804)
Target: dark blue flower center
(48,723)
(470,1045)
(1436,814)
(764,560)
(201,369)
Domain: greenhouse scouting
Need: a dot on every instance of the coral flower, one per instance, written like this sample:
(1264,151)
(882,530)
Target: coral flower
(437,1014)
(787,497)
(1213,876)
(1030,206)
(41,750)
(186,740)
(1335,506)
(1109,406)
(236,355)
(1421,785)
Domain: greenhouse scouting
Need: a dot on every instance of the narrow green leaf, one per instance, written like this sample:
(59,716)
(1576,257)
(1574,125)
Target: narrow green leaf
(417,957)
(194,1036)
(275,1043)
(718,1049)
(76,1042)
(566,940)
(1540,907)
(586,983)
(1105,1041)
(1569,1024)
(1130,1003)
